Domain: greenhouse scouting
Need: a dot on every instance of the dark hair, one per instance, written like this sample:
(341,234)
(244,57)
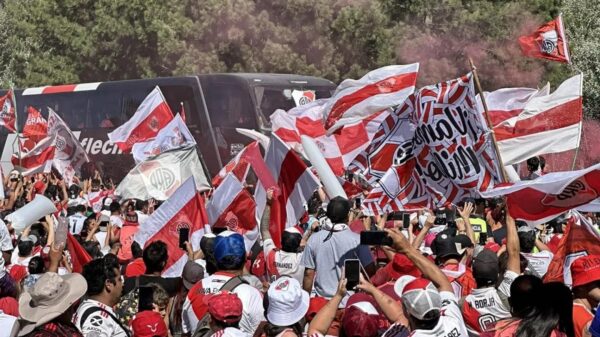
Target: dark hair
(550,313)
(533,164)
(428,322)
(526,241)
(8,287)
(92,248)
(80,208)
(207,246)
(290,242)
(136,250)
(114,207)
(95,182)
(524,295)
(499,214)
(141,204)
(155,257)
(338,210)
(503,266)
(222,325)
(36,265)
(542,162)
(97,272)
(314,203)
(231,262)
(51,192)
(25,248)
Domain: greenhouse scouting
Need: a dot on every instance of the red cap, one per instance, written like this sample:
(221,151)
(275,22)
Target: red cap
(39,187)
(315,304)
(402,265)
(585,270)
(224,307)
(18,272)
(9,306)
(148,324)
(259,265)
(358,323)
(494,247)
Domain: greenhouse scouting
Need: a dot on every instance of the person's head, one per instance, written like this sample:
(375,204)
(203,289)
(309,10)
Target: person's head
(80,209)
(358,323)
(338,210)
(503,265)
(525,292)
(445,249)
(141,205)
(36,265)
(290,239)
(92,248)
(26,245)
(526,239)
(553,311)
(74,191)
(51,192)
(155,257)
(230,251)
(286,304)
(207,246)
(585,274)
(95,185)
(225,310)
(136,250)
(421,303)
(485,269)
(114,207)
(533,164)
(313,204)
(148,324)
(160,299)
(192,273)
(103,279)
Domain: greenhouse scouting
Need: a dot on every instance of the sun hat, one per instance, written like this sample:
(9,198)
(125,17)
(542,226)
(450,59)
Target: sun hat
(229,243)
(585,270)
(50,297)
(288,302)
(420,297)
(225,307)
(148,323)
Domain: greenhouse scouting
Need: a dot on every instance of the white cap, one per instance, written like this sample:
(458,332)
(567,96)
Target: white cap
(288,302)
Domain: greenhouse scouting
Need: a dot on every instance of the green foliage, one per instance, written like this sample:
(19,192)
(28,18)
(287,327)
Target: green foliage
(66,41)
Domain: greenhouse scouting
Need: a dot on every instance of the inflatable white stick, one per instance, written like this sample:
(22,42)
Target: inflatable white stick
(262,139)
(39,207)
(332,186)
(513,176)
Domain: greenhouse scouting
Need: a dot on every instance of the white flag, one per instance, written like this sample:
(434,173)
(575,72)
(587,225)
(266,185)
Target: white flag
(173,136)
(69,155)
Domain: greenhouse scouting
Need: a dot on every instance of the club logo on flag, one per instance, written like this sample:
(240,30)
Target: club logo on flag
(178,225)
(162,178)
(549,40)
(576,193)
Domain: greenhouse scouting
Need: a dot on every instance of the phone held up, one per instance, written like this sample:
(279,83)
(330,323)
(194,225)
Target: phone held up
(184,236)
(375,238)
(352,272)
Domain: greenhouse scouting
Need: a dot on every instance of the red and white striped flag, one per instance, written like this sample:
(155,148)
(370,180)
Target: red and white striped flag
(7,116)
(232,206)
(507,103)
(378,90)
(295,185)
(540,200)
(184,209)
(38,160)
(151,116)
(70,155)
(547,124)
(340,148)
(36,126)
(238,165)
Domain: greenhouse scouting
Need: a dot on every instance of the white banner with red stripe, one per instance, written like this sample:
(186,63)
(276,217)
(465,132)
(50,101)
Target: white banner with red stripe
(151,116)
(70,155)
(378,90)
(173,136)
(184,209)
(507,103)
(38,160)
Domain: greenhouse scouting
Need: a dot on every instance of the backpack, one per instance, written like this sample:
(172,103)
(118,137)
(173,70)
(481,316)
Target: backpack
(203,328)
(128,304)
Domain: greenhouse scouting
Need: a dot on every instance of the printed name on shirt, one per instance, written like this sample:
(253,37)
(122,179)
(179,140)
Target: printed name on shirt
(284,265)
(485,303)
(453,333)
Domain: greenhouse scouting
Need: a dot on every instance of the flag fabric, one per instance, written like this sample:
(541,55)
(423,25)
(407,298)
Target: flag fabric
(435,150)
(580,239)
(151,116)
(295,185)
(38,160)
(173,136)
(184,209)
(340,148)
(160,176)
(70,155)
(507,103)
(547,124)
(237,166)
(542,199)
(232,206)
(378,90)
(36,126)
(262,139)
(7,116)
(302,97)
(79,256)
(547,42)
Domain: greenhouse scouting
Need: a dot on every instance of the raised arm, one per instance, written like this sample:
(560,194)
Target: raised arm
(325,316)
(465,214)
(512,245)
(391,308)
(428,224)
(266,217)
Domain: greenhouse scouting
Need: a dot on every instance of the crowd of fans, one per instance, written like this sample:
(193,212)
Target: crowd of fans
(469,270)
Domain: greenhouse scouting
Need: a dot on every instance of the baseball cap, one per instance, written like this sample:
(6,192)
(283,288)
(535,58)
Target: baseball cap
(585,270)
(9,306)
(443,246)
(288,302)
(420,297)
(402,265)
(462,242)
(485,266)
(229,243)
(148,324)
(494,247)
(225,307)
(192,273)
(31,238)
(357,323)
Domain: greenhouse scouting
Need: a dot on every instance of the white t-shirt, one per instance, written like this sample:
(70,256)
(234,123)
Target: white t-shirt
(116,220)
(230,332)
(98,323)
(451,323)
(283,263)
(9,325)
(142,217)
(76,222)
(5,240)
(538,262)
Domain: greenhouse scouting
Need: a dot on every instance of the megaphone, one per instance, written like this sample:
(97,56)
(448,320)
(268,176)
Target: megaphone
(39,207)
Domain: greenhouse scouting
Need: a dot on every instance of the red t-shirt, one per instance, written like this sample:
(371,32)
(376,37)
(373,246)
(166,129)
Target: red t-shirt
(135,268)
(581,318)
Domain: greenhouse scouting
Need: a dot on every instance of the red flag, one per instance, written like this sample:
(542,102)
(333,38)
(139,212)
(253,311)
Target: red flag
(239,166)
(79,256)
(38,160)
(184,209)
(7,116)
(36,126)
(580,239)
(151,116)
(547,42)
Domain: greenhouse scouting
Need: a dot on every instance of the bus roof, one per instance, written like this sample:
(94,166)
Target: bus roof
(273,79)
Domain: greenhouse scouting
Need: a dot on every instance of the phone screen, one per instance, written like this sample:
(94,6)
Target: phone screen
(184,236)
(146,295)
(405,220)
(352,270)
(375,238)
(357,203)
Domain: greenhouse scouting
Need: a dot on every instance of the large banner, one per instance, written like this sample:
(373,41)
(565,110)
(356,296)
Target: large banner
(436,149)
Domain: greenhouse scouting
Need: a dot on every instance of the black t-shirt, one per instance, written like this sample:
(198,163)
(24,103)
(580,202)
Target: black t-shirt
(499,235)
(172,285)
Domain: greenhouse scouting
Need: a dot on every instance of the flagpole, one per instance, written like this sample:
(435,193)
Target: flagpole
(488,119)
(14,101)
(580,128)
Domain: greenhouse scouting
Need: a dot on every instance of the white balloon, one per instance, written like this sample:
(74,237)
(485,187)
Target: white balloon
(332,186)
(39,207)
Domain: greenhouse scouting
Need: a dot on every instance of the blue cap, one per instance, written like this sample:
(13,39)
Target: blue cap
(229,244)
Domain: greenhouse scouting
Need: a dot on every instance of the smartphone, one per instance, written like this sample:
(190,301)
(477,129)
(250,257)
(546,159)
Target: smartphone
(184,236)
(405,220)
(146,295)
(482,238)
(375,238)
(352,272)
(357,203)
(394,216)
